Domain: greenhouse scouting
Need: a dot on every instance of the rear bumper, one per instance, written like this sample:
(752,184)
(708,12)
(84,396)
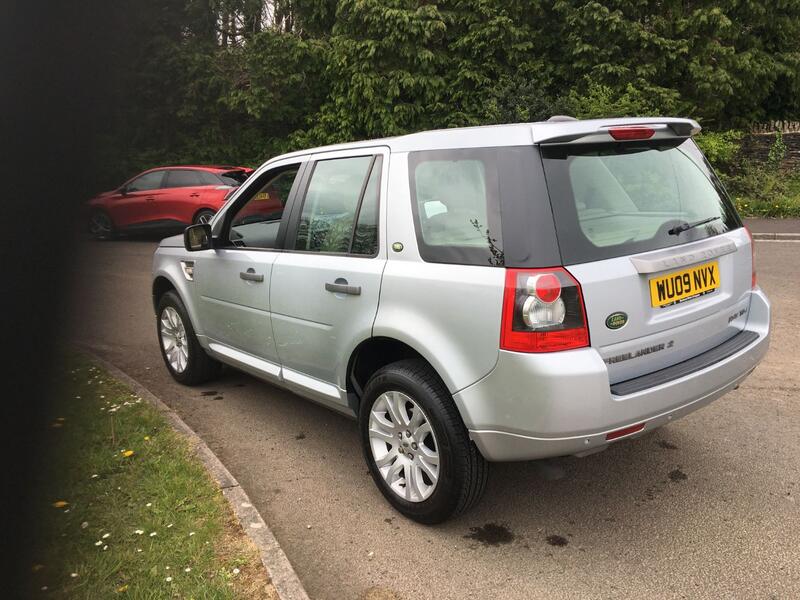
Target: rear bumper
(538,405)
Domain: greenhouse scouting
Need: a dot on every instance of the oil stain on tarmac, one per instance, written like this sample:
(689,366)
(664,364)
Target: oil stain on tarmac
(491,534)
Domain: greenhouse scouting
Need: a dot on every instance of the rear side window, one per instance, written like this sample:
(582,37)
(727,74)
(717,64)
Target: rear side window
(365,238)
(455,200)
(210,179)
(234,177)
(183,178)
(339,212)
(615,199)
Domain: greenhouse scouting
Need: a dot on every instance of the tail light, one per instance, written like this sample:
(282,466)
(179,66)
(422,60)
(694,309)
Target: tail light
(543,311)
(631,132)
(753,258)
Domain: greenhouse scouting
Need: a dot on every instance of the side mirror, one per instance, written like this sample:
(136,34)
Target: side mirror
(197,237)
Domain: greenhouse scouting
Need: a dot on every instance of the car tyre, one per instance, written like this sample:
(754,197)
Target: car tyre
(203,216)
(185,358)
(101,226)
(461,471)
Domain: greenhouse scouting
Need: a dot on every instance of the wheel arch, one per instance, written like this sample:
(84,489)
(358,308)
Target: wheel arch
(203,209)
(161,285)
(372,354)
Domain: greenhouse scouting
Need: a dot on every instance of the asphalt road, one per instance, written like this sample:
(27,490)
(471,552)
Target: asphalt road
(706,507)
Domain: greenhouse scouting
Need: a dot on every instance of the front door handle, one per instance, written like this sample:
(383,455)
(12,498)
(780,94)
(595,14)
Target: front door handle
(341,287)
(251,275)
(194,195)
(150,199)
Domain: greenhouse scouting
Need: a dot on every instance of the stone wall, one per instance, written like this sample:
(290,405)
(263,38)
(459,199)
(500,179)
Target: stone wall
(756,144)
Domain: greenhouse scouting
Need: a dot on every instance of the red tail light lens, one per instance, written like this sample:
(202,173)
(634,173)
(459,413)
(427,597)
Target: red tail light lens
(543,311)
(546,287)
(753,258)
(631,132)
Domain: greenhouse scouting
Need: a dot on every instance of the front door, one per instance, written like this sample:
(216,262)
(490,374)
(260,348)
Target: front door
(234,280)
(326,283)
(136,204)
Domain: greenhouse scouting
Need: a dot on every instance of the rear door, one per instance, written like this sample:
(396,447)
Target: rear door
(184,190)
(659,251)
(326,283)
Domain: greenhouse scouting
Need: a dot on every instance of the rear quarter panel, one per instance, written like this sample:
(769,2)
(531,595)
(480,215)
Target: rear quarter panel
(450,314)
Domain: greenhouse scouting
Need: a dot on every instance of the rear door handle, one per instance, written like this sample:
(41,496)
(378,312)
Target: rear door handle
(194,195)
(251,275)
(150,199)
(343,288)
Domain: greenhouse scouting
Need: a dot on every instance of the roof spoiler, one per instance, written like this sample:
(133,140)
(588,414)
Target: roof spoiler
(597,130)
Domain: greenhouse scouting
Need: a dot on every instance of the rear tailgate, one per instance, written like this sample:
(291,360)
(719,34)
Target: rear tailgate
(655,337)
(660,253)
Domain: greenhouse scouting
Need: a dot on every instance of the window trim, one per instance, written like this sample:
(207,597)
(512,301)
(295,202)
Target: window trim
(294,224)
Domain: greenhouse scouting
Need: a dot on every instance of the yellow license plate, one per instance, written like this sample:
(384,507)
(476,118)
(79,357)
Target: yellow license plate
(680,286)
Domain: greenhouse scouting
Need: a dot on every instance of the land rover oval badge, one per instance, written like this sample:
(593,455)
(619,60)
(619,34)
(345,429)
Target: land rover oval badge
(616,320)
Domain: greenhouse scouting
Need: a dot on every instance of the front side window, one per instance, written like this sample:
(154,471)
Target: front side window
(332,204)
(256,223)
(148,181)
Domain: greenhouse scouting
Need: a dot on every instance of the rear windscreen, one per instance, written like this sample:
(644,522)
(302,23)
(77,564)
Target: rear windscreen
(615,199)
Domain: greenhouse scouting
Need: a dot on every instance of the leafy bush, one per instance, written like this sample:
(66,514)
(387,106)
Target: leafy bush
(720,147)
(777,152)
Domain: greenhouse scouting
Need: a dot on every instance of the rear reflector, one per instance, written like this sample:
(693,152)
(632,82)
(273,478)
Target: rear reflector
(631,132)
(624,431)
(752,259)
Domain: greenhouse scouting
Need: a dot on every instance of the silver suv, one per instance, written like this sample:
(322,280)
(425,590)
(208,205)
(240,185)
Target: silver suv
(495,293)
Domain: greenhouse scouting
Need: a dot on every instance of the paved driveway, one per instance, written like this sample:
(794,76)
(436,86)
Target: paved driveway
(705,507)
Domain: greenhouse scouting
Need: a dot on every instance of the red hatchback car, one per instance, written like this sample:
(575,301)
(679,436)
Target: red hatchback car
(165,198)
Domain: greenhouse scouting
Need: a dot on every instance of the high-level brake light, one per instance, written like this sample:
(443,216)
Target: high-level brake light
(631,132)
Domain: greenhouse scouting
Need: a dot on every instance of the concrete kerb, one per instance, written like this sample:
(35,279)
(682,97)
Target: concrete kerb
(279,569)
(777,237)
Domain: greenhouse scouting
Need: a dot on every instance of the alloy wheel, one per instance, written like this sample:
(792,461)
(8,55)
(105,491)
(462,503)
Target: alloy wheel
(404,446)
(99,224)
(174,339)
(205,217)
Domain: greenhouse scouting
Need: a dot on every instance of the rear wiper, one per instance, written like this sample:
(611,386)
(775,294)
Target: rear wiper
(679,229)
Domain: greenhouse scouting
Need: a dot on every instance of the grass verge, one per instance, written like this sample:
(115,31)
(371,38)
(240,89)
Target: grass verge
(125,508)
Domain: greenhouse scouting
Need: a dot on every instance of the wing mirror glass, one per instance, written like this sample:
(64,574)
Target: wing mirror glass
(197,237)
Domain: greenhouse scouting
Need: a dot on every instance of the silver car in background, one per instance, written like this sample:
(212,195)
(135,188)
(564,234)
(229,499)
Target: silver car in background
(496,293)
